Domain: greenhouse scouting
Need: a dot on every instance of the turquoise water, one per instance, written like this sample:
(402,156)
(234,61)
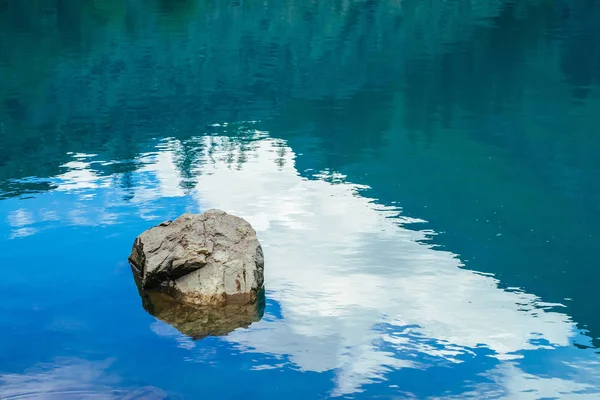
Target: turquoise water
(423,176)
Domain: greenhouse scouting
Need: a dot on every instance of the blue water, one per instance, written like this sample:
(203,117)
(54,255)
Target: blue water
(423,176)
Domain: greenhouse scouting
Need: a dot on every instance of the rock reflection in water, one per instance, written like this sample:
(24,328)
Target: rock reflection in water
(200,321)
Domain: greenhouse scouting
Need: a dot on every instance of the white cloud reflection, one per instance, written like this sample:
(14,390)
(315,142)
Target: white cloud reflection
(361,291)
(80,175)
(71,378)
(509,381)
(340,269)
(158,177)
(20,217)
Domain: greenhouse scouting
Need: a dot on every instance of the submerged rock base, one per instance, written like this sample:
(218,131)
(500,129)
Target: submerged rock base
(198,321)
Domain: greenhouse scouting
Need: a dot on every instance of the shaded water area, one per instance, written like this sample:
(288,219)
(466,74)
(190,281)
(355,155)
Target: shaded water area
(423,176)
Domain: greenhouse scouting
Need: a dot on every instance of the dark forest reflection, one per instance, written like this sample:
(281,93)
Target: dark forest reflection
(104,69)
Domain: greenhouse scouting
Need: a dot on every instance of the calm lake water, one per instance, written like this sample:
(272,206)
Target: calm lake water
(424,177)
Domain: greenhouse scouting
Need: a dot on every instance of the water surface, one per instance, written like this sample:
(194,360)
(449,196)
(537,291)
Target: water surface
(423,177)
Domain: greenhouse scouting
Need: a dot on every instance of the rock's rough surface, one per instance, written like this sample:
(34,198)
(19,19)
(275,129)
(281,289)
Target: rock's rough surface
(212,258)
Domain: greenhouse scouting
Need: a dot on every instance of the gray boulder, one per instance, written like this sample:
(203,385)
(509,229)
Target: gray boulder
(212,258)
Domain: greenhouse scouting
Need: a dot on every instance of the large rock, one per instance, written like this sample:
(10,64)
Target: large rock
(212,258)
